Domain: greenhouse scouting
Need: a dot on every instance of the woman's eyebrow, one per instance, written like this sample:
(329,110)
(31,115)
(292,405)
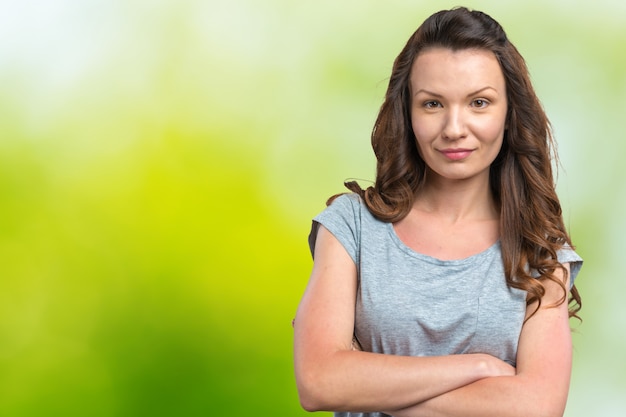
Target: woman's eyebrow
(473,93)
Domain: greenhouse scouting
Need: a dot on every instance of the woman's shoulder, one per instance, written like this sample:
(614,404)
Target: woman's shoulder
(351,199)
(343,219)
(353,205)
(348,209)
(568,254)
(345,203)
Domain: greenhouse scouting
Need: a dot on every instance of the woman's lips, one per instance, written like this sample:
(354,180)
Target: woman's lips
(456,154)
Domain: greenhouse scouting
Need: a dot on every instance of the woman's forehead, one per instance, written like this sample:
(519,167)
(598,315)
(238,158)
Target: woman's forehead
(446,69)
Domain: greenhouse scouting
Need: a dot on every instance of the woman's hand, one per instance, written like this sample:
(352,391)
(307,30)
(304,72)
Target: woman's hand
(497,367)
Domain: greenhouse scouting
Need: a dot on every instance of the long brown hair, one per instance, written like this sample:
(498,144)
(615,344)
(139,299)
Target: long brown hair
(521,178)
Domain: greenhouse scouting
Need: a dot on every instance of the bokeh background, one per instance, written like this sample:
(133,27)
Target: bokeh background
(160,162)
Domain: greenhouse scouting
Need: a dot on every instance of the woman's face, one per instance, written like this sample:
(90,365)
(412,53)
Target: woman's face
(458,111)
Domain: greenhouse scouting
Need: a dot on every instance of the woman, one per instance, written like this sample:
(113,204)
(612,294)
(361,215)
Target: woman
(443,289)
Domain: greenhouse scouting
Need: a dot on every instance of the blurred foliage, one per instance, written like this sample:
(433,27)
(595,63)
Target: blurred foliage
(160,163)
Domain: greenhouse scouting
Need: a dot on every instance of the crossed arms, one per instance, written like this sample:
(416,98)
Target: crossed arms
(332,376)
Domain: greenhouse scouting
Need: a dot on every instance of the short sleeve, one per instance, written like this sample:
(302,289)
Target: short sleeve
(342,219)
(567,254)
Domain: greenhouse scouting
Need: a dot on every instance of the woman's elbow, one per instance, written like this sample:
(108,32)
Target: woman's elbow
(547,405)
(552,409)
(320,385)
(311,392)
(310,404)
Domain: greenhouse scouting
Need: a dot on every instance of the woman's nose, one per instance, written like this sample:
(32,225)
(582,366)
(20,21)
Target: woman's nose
(454,127)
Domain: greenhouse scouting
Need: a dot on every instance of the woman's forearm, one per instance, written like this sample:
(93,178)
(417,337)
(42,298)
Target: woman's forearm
(367,382)
(506,396)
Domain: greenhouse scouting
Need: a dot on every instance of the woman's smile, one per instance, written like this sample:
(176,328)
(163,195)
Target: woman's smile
(456,154)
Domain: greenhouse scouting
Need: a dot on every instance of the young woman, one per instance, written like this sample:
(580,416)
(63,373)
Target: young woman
(444,289)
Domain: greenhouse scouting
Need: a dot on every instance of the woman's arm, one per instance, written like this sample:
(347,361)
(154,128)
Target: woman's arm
(332,376)
(539,388)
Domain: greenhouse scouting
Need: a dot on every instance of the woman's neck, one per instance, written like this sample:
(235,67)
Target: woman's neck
(457,201)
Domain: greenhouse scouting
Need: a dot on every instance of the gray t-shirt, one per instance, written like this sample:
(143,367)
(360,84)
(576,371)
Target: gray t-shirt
(415,305)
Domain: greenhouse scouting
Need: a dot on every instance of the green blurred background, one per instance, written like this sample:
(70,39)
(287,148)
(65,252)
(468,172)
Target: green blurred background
(160,162)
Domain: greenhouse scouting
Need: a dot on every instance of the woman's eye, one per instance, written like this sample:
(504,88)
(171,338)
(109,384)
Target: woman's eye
(432,104)
(480,103)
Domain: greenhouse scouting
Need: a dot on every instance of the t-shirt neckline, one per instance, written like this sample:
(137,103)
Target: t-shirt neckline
(410,251)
